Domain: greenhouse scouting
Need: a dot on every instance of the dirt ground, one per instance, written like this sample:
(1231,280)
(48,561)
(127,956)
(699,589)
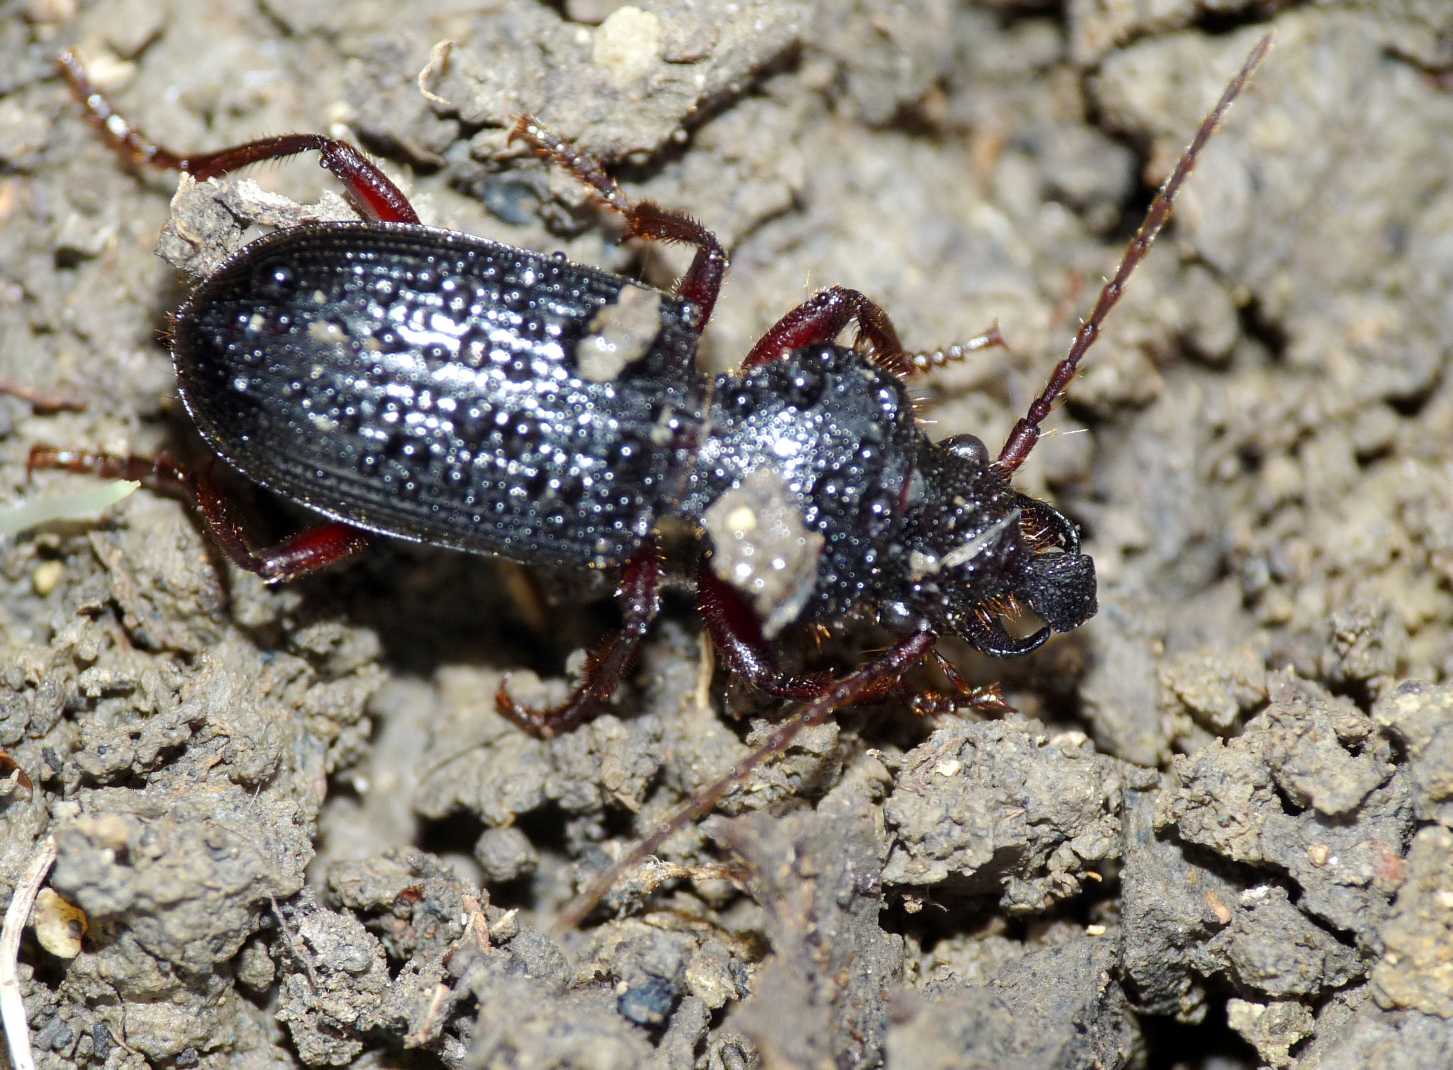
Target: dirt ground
(1218,832)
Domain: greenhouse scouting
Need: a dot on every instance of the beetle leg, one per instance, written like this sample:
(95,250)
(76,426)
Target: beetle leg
(987,699)
(159,473)
(821,318)
(308,551)
(42,401)
(737,634)
(372,192)
(702,282)
(639,596)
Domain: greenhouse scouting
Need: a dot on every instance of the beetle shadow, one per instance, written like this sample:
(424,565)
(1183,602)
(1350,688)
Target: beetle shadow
(431,607)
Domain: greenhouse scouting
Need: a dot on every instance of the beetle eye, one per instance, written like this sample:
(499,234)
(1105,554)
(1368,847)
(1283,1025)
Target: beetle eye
(968,448)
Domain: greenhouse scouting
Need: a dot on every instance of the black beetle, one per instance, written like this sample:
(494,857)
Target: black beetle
(429,385)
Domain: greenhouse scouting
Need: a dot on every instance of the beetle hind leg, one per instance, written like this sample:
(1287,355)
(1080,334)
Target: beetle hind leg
(373,193)
(308,551)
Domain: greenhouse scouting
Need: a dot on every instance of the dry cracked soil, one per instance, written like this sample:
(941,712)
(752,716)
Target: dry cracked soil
(1218,830)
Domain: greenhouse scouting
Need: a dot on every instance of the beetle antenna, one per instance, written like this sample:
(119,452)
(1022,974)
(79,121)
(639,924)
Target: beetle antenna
(852,687)
(1026,432)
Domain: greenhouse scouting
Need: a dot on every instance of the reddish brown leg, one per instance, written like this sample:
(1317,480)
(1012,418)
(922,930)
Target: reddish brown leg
(702,282)
(961,695)
(639,596)
(821,318)
(373,194)
(308,551)
(1026,432)
(737,635)
(874,678)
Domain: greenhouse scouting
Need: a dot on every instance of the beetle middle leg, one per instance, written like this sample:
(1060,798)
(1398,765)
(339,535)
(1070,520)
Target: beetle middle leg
(371,191)
(308,551)
(639,596)
(702,282)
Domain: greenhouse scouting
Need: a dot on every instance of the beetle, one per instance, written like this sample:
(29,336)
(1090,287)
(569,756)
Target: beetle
(405,381)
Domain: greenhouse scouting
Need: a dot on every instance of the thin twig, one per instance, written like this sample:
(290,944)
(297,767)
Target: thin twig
(40,400)
(12,1006)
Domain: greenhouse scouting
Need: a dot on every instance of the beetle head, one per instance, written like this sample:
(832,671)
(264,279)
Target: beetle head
(975,551)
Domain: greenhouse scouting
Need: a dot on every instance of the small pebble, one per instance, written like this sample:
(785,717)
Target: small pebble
(47,577)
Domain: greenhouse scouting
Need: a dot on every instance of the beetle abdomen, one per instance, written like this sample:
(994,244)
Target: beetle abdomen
(435,386)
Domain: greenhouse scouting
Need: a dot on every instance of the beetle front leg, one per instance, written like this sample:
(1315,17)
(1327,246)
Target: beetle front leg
(308,551)
(821,318)
(702,282)
(737,636)
(639,596)
(987,699)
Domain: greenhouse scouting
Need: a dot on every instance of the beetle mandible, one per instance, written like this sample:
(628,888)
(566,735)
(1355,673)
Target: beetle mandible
(422,384)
